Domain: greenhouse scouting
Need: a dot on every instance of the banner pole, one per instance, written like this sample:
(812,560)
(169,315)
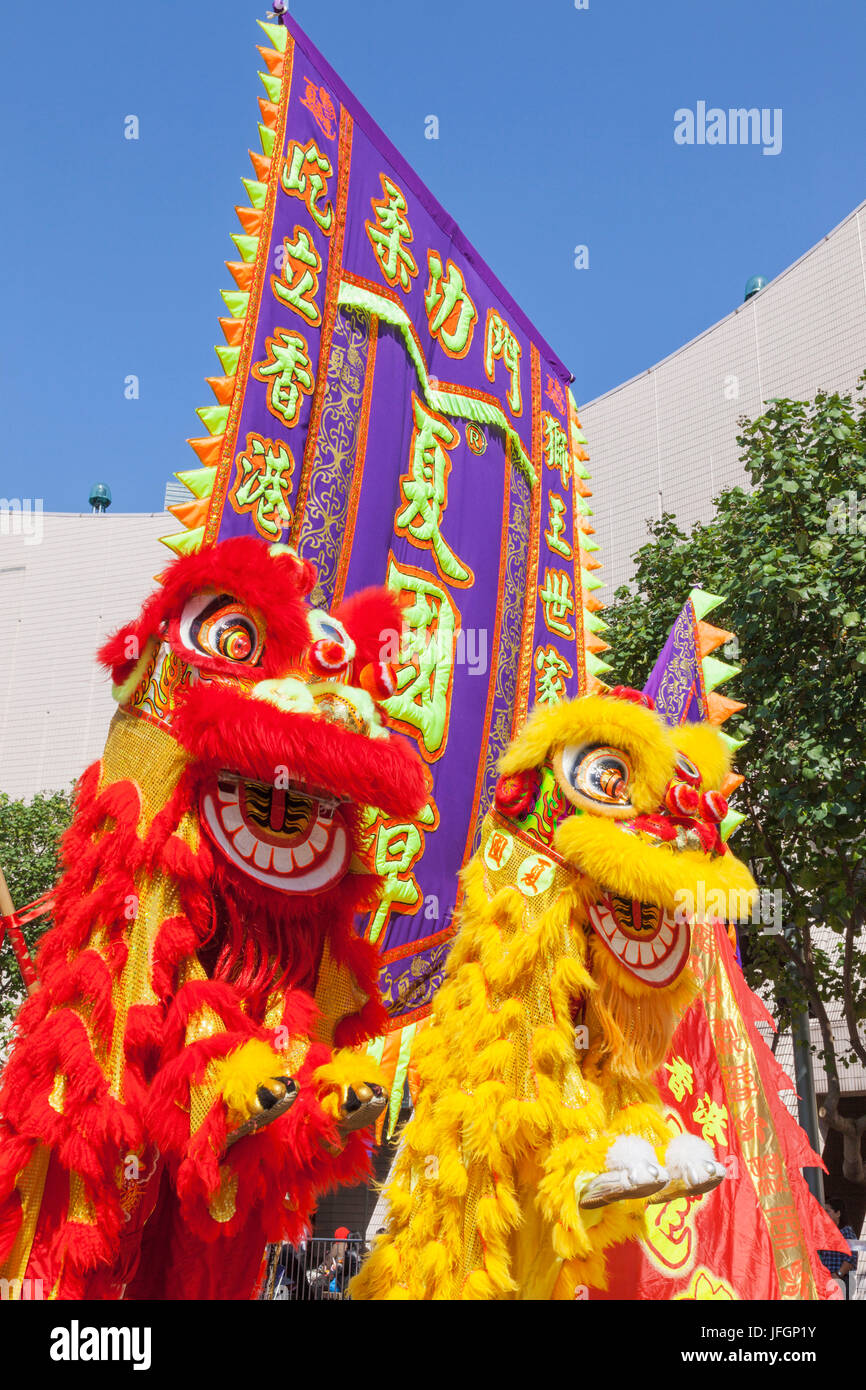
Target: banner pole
(8,920)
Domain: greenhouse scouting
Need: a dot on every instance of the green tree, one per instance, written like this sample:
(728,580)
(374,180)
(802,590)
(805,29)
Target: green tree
(29,836)
(790,556)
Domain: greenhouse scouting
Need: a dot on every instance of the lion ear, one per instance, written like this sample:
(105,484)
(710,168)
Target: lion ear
(122,652)
(373,620)
(704,746)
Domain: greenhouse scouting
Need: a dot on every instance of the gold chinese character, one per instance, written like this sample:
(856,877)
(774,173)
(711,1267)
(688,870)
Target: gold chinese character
(558,600)
(451,313)
(425,667)
(500,344)
(389,235)
(682,1079)
(425,490)
(713,1120)
(556,526)
(298,282)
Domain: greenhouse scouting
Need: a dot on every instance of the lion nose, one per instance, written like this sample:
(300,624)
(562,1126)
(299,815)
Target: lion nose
(287,694)
(351,708)
(338,707)
(714,807)
(681,799)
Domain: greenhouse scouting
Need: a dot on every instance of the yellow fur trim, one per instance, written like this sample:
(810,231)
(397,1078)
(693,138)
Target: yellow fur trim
(635,1021)
(346,1068)
(599,719)
(702,744)
(515,1111)
(238,1076)
(659,874)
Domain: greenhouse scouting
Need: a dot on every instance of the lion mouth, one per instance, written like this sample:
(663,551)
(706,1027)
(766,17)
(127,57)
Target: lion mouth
(291,838)
(648,942)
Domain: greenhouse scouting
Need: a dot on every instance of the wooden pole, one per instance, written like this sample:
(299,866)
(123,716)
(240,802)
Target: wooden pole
(19,946)
(6,905)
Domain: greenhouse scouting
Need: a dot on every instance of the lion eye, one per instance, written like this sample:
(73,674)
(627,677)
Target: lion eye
(217,625)
(597,775)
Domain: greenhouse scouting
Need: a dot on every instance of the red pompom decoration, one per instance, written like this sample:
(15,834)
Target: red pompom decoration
(517,793)
(635,697)
(328,656)
(714,807)
(378,679)
(681,799)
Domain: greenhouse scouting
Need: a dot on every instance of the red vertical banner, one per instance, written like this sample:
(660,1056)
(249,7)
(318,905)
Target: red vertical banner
(757,1235)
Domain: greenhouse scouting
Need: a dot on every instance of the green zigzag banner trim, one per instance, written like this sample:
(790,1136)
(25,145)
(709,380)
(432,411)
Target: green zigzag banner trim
(446,402)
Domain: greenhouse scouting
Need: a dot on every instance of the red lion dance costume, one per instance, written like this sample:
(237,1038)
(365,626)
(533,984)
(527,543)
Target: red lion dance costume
(182,1086)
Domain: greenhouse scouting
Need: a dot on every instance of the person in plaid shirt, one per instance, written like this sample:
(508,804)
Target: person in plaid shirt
(838,1264)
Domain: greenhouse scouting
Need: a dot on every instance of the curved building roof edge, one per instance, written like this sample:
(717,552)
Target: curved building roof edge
(586,405)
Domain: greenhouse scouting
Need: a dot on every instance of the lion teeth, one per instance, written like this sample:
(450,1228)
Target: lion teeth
(263,854)
(244,842)
(284,861)
(304,854)
(231,818)
(318,836)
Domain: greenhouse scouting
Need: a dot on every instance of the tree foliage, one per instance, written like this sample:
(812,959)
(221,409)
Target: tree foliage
(29,843)
(790,557)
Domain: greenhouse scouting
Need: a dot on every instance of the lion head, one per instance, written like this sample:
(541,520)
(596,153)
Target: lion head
(635,808)
(277,705)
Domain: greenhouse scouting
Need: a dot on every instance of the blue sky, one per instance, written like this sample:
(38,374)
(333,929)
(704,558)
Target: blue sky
(556,129)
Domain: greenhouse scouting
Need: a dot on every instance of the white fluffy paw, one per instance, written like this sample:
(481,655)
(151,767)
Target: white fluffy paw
(691,1159)
(693,1168)
(631,1171)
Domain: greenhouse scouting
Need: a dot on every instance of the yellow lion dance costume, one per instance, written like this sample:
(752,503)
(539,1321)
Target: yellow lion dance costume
(538,1136)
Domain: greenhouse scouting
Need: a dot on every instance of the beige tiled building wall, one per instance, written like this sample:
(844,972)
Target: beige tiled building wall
(666,440)
(61,595)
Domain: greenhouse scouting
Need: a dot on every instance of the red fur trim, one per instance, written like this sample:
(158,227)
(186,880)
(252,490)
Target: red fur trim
(93,1127)
(15,1154)
(224,728)
(374,621)
(299,1014)
(88,979)
(10,1224)
(114,653)
(87,1247)
(274,587)
(369,1022)
(142,1047)
(300,1154)
(166,822)
(175,940)
(197,994)
(249,939)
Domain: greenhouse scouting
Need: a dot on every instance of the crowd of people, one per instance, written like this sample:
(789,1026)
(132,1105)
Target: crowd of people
(319,1269)
(841,1266)
(322,1268)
